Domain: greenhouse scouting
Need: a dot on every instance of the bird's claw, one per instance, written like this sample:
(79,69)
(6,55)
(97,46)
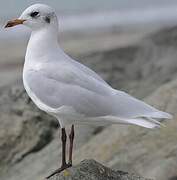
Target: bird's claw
(62,168)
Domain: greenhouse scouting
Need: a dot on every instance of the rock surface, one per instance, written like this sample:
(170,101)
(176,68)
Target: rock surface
(24,129)
(92,170)
(139,68)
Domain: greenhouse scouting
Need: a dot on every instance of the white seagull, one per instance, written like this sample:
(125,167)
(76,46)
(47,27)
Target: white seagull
(70,91)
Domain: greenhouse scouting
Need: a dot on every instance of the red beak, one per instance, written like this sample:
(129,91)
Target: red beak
(14,22)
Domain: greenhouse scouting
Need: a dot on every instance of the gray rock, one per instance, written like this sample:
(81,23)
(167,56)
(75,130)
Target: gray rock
(24,129)
(92,170)
(140,68)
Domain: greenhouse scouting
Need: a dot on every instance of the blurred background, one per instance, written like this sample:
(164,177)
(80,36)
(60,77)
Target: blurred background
(132,44)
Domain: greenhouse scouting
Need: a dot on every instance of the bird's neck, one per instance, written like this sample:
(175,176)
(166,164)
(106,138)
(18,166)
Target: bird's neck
(42,42)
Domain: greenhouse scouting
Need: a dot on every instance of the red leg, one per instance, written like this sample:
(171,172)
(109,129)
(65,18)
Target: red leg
(63,139)
(63,165)
(71,138)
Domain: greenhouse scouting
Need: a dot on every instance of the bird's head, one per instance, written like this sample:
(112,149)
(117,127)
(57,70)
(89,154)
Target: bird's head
(36,16)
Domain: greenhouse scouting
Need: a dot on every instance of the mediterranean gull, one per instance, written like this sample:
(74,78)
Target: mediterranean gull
(70,91)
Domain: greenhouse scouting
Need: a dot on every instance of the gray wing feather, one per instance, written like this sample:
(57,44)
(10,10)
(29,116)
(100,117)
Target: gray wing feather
(70,86)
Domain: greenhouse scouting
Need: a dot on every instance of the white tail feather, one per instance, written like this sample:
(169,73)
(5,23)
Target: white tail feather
(147,123)
(158,115)
(141,121)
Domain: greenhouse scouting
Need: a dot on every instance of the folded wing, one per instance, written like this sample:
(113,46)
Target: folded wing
(70,86)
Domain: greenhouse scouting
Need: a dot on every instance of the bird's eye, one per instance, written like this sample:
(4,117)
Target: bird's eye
(34,14)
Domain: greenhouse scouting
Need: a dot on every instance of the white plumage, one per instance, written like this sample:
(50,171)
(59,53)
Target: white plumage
(70,91)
